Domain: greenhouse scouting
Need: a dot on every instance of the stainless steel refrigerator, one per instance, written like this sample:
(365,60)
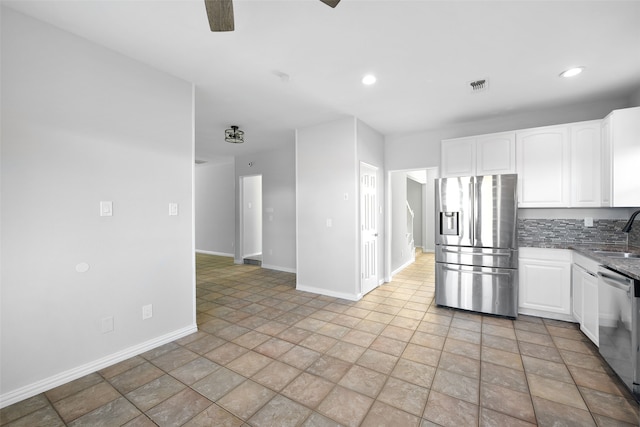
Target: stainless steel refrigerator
(476,244)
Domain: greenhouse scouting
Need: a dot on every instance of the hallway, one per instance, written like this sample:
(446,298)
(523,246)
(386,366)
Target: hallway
(268,355)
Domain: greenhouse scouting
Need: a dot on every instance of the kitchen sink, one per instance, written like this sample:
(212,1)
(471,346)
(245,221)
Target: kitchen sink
(614,254)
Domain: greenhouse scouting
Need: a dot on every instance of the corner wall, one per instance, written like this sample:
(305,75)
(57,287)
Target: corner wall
(80,125)
(215,208)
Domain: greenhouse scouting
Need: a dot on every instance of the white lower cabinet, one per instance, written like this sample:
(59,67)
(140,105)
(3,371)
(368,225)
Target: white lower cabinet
(545,283)
(585,295)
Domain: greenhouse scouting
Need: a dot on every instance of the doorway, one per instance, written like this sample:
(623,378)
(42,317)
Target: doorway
(251,219)
(410,217)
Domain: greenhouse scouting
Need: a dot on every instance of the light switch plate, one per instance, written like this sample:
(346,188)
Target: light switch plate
(173,209)
(588,222)
(106,208)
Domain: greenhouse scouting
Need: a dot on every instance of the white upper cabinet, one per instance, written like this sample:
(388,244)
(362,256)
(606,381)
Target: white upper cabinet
(621,158)
(492,154)
(543,164)
(496,154)
(458,157)
(585,164)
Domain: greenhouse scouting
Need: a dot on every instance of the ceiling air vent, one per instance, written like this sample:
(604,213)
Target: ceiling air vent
(479,85)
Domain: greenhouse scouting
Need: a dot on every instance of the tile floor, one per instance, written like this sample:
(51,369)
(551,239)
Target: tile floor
(268,355)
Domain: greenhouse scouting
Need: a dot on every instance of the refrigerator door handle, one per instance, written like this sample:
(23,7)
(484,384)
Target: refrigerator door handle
(483,273)
(460,251)
(472,214)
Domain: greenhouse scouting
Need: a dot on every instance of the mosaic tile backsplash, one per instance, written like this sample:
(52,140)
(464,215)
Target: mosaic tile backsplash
(551,231)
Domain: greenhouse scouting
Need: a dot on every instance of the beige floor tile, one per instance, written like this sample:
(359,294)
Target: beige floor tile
(540,351)
(456,385)
(550,413)
(195,370)
(154,392)
(417,353)
(414,372)
(500,343)
(404,395)
(547,369)
(381,414)
(317,420)
(217,384)
(388,345)
(582,360)
(460,365)
(450,412)
(610,405)
(226,353)
(596,380)
(280,411)
(115,413)
(490,418)
(22,408)
(462,348)
(205,344)
(514,379)
(318,342)
(378,361)
(179,408)
(345,406)
(214,415)
(363,380)
(82,383)
(534,337)
(507,401)
(398,333)
(44,417)
(249,363)
(329,368)
(428,340)
(555,391)
(85,401)
(276,375)
(345,351)
(246,399)
(503,358)
(574,345)
(433,329)
(300,357)
(308,389)
(252,339)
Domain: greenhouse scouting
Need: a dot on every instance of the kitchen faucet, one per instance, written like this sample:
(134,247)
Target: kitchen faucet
(627,226)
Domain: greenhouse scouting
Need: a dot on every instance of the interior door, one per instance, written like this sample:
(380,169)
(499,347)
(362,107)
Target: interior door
(368,228)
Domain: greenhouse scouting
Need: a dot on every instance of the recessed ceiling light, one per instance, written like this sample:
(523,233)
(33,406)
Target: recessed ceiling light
(572,72)
(369,79)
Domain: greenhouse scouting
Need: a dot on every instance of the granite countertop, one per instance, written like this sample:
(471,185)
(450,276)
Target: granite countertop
(627,266)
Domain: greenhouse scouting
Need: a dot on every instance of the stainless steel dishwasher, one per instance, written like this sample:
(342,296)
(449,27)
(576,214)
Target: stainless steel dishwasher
(618,325)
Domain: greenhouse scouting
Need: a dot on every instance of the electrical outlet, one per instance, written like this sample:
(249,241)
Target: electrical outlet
(588,222)
(147,311)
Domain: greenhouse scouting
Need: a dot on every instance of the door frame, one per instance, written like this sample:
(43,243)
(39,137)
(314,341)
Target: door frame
(241,209)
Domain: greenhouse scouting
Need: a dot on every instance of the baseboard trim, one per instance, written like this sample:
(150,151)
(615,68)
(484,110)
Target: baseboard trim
(329,293)
(402,267)
(279,268)
(215,253)
(46,384)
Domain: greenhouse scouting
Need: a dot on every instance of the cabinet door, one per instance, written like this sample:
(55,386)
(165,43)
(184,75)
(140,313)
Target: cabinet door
(586,164)
(605,170)
(543,167)
(458,157)
(496,154)
(589,324)
(625,143)
(577,292)
(545,280)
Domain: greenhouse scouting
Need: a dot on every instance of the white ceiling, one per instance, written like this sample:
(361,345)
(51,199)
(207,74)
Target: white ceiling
(423,52)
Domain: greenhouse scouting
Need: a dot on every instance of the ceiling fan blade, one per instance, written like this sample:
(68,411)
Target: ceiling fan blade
(220,14)
(332,3)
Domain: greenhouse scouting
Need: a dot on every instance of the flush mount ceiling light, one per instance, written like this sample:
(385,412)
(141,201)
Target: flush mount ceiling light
(234,135)
(369,79)
(572,72)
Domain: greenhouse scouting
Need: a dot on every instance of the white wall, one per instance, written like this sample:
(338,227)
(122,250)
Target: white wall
(251,215)
(277,168)
(80,125)
(215,209)
(327,182)
(429,243)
